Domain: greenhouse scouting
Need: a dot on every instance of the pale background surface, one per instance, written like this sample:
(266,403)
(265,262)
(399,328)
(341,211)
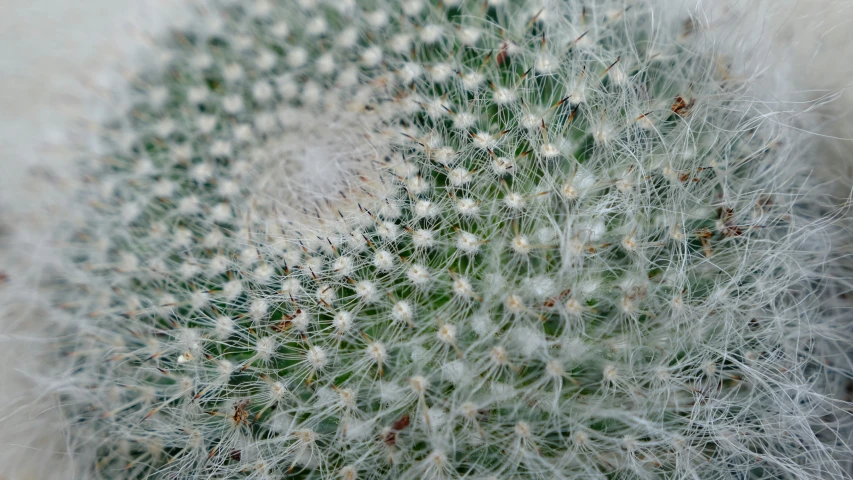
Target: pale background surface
(50,53)
(50,48)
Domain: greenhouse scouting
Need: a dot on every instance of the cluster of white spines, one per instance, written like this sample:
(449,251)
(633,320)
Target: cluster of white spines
(555,254)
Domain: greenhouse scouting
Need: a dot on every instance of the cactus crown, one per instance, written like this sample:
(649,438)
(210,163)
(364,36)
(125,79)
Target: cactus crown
(415,239)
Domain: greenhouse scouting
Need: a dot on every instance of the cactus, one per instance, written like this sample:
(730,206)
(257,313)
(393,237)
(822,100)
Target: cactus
(500,239)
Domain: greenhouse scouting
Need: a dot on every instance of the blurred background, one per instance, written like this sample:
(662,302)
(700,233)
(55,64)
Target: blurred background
(52,53)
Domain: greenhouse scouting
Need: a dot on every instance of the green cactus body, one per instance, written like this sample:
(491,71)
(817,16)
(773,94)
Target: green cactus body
(555,243)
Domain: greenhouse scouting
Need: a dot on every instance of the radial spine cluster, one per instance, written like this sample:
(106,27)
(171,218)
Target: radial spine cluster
(448,239)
